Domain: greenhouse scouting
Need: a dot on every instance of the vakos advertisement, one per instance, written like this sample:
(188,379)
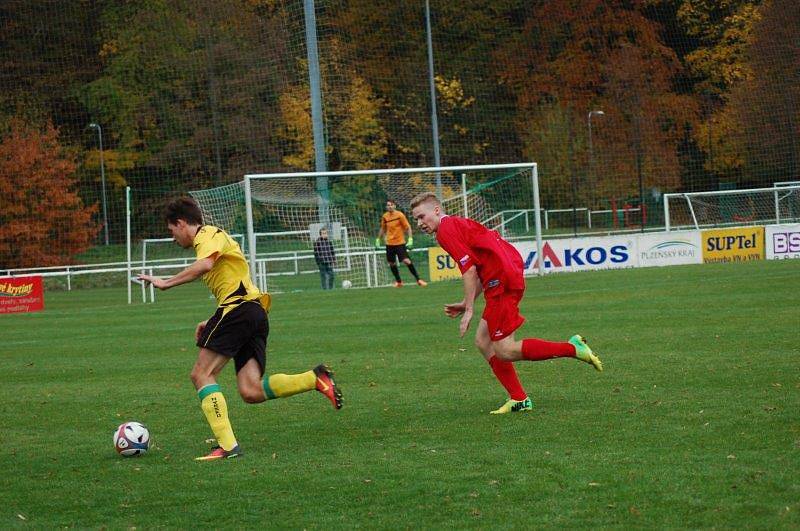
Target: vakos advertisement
(580,254)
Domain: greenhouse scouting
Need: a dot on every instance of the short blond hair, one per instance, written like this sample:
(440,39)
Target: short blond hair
(425,197)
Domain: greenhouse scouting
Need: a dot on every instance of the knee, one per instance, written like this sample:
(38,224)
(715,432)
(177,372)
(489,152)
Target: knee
(503,353)
(482,345)
(252,394)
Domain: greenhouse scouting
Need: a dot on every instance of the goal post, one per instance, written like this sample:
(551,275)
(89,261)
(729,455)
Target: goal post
(719,208)
(288,206)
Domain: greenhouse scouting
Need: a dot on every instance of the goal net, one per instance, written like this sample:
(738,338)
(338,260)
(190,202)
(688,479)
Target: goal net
(779,204)
(281,216)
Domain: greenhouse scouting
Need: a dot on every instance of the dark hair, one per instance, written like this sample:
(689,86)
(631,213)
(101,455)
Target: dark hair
(184,208)
(392,201)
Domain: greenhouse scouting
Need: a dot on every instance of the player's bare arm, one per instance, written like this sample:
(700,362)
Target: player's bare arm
(465,308)
(192,272)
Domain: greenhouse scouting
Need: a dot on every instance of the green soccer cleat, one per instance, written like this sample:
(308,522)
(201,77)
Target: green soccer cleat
(513,406)
(584,353)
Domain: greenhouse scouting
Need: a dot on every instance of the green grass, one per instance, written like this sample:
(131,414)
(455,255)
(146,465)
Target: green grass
(694,423)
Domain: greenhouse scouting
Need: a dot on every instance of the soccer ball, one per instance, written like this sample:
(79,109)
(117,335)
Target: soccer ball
(346,284)
(131,438)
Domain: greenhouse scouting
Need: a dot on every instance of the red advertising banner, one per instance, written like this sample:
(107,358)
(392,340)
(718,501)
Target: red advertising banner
(21,294)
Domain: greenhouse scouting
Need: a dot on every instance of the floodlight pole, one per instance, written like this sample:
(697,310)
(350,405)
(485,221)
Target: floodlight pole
(434,118)
(591,157)
(251,237)
(315,85)
(537,207)
(128,239)
(102,178)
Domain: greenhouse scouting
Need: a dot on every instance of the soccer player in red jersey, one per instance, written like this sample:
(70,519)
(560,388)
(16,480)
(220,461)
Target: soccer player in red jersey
(490,264)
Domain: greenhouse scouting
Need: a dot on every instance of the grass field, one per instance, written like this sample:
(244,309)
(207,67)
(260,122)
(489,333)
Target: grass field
(694,423)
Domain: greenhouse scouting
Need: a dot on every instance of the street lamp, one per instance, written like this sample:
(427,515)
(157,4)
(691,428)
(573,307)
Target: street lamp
(102,178)
(591,155)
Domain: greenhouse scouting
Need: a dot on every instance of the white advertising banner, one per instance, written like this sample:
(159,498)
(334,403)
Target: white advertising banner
(581,254)
(670,248)
(782,241)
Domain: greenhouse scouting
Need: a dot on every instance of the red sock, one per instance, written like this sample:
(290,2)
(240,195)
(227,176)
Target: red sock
(539,349)
(507,375)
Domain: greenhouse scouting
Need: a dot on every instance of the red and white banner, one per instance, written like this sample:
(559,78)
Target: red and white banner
(581,254)
(21,294)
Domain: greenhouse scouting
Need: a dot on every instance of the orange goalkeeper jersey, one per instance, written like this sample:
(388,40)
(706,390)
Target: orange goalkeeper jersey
(395,225)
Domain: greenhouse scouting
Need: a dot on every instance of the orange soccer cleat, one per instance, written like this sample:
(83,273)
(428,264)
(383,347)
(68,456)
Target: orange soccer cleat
(327,386)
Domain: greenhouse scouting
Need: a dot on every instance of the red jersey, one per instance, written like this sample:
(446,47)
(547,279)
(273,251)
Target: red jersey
(498,263)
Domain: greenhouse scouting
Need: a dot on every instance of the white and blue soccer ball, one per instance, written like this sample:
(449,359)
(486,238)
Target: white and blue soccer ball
(346,284)
(131,438)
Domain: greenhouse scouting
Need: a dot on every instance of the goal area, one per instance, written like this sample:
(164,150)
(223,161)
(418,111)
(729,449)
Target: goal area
(281,214)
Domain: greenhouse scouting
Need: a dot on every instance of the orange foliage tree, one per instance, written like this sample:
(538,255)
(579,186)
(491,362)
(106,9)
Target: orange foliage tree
(42,219)
(597,54)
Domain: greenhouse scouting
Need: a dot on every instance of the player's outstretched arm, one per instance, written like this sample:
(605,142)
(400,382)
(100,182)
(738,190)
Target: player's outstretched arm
(194,271)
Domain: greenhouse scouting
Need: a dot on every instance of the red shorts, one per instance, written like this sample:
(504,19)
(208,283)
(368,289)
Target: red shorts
(502,314)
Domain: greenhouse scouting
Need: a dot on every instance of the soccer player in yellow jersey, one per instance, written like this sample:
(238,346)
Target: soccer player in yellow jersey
(238,329)
(395,227)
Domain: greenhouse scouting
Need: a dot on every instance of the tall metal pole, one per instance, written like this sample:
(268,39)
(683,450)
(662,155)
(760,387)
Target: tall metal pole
(639,162)
(315,85)
(538,218)
(573,177)
(434,118)
(593,168)
(102,178)
(128,239)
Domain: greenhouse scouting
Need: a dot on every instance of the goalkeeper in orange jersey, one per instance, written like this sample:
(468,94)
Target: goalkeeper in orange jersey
(395,227)
(237,331)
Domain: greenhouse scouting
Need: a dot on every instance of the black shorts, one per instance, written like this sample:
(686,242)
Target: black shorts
(240,334)
(396,251)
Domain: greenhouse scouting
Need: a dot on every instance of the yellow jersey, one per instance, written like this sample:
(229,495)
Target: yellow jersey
(229,278)
(395,225)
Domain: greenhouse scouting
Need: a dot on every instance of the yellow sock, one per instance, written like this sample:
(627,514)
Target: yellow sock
(213,404)
(282,385)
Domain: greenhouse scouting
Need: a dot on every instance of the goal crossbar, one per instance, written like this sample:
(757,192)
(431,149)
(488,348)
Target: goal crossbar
(390,171)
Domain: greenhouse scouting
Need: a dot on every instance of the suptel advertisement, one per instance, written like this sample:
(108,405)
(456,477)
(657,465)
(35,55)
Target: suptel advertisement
(733,245)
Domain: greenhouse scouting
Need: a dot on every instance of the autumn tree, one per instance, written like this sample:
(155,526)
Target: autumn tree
(721,30)
(43,220)
(576,56)
(355,138)
(764,107)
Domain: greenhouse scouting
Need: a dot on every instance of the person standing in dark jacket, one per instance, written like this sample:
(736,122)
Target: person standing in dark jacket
(325,257)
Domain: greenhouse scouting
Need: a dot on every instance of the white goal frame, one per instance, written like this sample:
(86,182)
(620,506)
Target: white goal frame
(775,191)
(249,178)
